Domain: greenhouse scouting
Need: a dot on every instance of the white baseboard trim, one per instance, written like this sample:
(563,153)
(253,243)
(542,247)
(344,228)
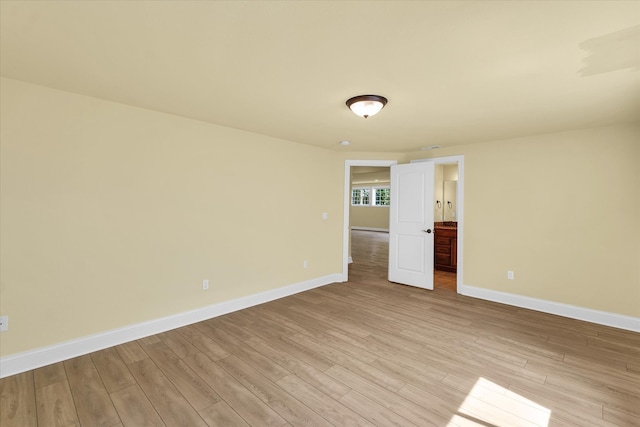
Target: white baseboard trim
(32,359)
(350,260)
(385,230)
(571,311)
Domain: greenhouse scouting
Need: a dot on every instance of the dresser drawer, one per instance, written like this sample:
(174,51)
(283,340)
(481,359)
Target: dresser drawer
(442,240)
(443,249)
(443,259)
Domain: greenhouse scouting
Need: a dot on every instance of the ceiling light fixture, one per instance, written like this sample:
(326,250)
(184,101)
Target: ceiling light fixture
(366,105)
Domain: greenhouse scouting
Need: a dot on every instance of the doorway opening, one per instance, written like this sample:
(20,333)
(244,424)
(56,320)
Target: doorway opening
(349,165)
(448,221)
(445,217)
(378,239)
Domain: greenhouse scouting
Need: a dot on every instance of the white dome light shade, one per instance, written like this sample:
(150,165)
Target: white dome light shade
(366,105)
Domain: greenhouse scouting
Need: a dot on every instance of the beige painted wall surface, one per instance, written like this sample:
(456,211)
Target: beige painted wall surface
(113,215)
(370,217)
(560,210)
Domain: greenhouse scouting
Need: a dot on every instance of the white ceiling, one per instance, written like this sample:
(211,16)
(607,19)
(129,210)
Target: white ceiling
(454,72)
(370,175)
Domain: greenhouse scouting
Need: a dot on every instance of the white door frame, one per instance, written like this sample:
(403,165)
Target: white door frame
(387,163)
(347,205)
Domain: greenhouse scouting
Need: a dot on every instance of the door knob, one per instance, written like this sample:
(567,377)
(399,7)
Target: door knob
(428,230)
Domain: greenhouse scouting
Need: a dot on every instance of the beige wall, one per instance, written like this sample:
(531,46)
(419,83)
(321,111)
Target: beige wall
(450,172)
(370,217)
(113,215)
(560,210)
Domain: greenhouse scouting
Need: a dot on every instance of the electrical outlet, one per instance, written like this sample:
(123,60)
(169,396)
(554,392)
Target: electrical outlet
(510,275)
(205,285)
(4,323)
(305,264)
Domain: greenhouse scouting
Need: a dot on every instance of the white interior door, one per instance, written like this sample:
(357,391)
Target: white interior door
(411,225)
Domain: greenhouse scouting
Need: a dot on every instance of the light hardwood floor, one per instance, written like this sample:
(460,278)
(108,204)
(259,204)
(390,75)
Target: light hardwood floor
(371,251)
(366,352)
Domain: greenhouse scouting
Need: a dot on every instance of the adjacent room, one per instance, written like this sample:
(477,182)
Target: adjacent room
(332,213)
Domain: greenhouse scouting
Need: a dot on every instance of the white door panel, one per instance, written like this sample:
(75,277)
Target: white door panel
(410,208)
(411,214)
(411,253)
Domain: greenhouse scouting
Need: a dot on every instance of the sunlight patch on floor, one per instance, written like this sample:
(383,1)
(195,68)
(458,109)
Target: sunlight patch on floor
(491,405)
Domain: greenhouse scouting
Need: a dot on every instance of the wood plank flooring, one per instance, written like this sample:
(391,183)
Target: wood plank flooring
(371,250)
(361,353)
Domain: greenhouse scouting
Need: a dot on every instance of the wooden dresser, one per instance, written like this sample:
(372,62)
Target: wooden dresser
(446,248)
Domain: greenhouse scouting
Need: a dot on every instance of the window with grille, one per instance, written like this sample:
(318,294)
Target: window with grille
(370,196)
(360,196)
(381,196)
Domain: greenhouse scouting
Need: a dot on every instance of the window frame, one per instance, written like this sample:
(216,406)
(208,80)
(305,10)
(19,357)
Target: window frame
(372,195)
